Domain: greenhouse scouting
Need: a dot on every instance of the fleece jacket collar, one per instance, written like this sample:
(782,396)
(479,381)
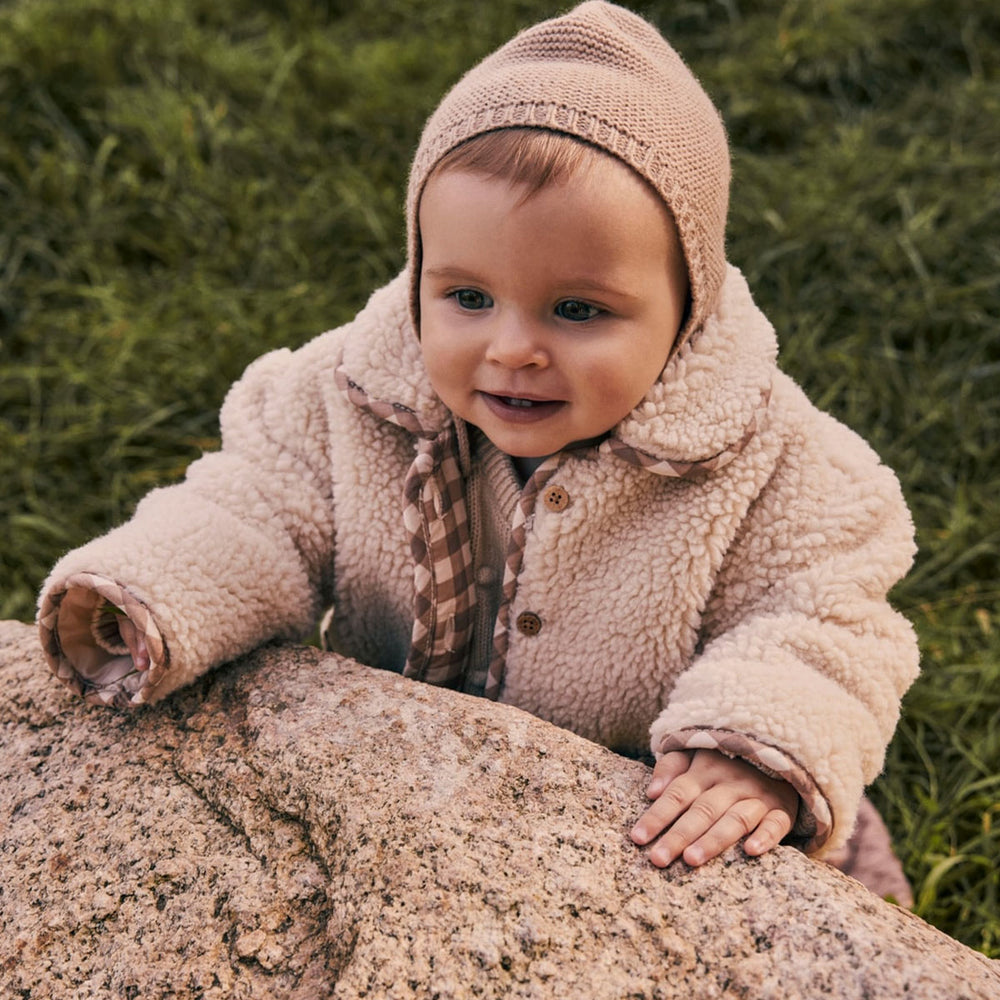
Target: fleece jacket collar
(707,404)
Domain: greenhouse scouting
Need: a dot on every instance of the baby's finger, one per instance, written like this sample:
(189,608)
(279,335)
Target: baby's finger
(679,838)
(740,819)
(674,801)
(668,767)
(770,832)
(694,822)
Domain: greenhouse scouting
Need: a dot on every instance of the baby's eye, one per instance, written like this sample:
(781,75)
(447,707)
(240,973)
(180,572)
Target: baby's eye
(471,298)
(576,311)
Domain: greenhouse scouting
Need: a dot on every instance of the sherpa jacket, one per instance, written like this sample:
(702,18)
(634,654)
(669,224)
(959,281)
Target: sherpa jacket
(714,574)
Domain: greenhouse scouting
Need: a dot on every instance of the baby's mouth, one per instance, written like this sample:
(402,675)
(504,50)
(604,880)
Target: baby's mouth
(515,407)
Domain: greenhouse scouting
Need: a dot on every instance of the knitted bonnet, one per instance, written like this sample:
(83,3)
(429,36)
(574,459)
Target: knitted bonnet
(604,75)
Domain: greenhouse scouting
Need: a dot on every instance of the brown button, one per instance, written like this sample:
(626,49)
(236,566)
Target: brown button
(528,623)
(556,498)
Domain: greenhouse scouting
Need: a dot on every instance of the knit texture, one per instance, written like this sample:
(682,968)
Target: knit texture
(604,75)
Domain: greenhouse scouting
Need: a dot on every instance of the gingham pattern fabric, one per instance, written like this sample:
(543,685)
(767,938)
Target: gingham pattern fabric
(113,681)
(395,413)
(436,517)
(812,828)
(435,514)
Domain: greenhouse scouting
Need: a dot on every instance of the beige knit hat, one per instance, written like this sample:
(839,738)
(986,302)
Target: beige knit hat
(602,74)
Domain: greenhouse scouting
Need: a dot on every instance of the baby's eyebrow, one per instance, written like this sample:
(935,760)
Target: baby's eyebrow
(600,287)
(449,273)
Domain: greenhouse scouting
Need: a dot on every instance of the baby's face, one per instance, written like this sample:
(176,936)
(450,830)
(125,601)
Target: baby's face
(545,321)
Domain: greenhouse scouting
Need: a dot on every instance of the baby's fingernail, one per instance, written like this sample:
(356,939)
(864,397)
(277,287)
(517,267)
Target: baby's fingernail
(638,833)
(694,856)
(655,787)
(661,858)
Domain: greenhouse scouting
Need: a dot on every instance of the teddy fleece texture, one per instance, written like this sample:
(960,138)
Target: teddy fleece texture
(716,575)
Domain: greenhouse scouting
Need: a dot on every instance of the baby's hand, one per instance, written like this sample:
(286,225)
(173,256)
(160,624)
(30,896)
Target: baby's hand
(706,802)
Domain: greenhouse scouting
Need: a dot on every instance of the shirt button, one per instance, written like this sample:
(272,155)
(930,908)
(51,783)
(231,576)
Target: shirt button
(556,498)
(528,623)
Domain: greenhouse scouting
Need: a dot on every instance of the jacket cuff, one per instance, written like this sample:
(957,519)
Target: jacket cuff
(814,821)
(78,626)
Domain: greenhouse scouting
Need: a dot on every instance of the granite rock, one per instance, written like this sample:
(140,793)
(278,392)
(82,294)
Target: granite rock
(300,826)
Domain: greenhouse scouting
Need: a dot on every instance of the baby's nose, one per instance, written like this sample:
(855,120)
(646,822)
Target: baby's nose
(516,344)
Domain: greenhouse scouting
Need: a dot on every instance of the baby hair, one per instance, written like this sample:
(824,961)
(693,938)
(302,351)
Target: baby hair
(530,157)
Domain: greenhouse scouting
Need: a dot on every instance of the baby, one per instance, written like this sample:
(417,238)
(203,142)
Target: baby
(552,463)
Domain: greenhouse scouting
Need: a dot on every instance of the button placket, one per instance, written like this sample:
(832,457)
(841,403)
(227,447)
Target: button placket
(556,499)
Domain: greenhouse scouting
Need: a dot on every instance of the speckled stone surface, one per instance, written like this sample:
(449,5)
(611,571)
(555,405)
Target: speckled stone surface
(300,826)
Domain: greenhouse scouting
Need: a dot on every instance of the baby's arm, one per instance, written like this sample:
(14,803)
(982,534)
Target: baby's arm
(706,802)
(802,661)
(236,554)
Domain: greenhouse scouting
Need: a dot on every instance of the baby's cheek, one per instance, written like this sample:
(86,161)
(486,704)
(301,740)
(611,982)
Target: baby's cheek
(615,391)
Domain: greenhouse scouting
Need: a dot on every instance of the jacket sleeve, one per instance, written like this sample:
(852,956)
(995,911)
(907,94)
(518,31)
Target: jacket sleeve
(803,662)
(233,556)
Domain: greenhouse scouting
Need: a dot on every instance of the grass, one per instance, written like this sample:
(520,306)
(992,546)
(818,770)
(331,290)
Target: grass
(185,184)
